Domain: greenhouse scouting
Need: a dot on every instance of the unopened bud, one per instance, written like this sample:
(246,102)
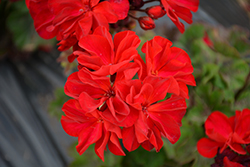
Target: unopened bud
(155,12)
(146,23)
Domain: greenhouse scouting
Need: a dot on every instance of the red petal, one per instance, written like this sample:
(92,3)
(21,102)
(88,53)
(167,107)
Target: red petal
(88,137)
(97,45)
(218,126)
(167,125)
(73,86)
(115,146)
(104,8)
(113,128)
(93,63)
(84,25)
(141,129)
(155,139)
(237,148)
(96,81)
(100,145)
(99,20)
(103,31)
(182,12)
(120,7)
(190,4)
(172,15)
(174,106)
(88,103)
(243,127)
(129,139)
(118,108)
(228,163)
(207,147)
(123,41)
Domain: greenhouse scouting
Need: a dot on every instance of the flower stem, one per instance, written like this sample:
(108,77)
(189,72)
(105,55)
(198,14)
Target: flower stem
(140,10)
(132,16)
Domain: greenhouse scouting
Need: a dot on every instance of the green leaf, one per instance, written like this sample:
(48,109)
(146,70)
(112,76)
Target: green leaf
(193,32)
(226,50)
(239,38)
(209,72)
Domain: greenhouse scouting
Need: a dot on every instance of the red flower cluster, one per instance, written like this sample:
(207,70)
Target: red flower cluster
(223,132)
(69,20)
(108,105)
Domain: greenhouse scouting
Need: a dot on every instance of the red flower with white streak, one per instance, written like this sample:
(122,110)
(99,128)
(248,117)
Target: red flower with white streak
(95,92)
(176,9)
(90,129)
(66,17)
(165,61)
(223,132)
(156,118)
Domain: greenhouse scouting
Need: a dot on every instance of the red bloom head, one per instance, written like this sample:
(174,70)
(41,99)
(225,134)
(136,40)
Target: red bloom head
(104,55)
(223,132)
(64,18)
(156,118)
(90,129)
(165,61)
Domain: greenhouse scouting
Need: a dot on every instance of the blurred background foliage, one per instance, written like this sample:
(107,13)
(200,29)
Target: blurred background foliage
(220,56)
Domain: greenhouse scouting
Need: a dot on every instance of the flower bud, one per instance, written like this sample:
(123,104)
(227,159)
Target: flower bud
(146,23)
(155,12)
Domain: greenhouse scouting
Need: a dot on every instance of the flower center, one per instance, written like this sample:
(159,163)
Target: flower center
(144,109)
(110,93)
(100,120)
(154,72)
(85,8)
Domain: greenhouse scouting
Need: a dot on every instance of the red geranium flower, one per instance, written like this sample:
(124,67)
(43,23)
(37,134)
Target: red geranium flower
(95,92)
(180,9)
(104,56)
(156,118)
(223,131)
(165,61)
(65,17)
(90,129)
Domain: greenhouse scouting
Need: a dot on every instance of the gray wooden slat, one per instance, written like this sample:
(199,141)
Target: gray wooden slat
(26,122)
(226,12)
